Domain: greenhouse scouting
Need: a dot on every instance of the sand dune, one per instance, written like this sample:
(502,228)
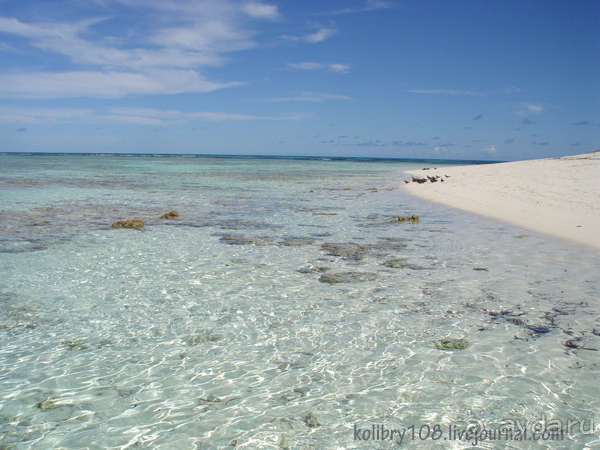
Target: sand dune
(559,197)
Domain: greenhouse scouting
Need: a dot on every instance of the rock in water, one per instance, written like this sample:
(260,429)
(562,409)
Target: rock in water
(311,420)
(170,215)
(414,218)
(451,344)
(135,223)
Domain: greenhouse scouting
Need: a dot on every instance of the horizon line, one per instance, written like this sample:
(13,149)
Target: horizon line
(216,155)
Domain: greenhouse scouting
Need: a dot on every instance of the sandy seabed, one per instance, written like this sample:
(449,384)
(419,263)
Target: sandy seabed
(559,197)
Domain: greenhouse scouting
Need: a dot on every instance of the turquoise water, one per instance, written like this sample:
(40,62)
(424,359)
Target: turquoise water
(286,307)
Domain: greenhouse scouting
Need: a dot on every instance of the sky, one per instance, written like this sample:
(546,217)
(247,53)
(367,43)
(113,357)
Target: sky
(483,80)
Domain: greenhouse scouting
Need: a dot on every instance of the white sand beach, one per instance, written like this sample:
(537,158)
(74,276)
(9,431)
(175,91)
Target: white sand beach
(559,197)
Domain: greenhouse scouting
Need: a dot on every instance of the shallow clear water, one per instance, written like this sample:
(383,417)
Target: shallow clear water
(284,307)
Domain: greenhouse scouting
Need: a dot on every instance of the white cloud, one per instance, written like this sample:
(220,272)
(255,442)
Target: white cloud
(490,149)
(529,108)
(313,38)
(136,116)
(212,37)
(370,5)
(320,35)
(181,46)
(508,89)
(342,68)
(444,91)
(171,115)
(188,36)
(104,84)
(306,66)
(310,97)
(4,47)
(14,114)
(260,10)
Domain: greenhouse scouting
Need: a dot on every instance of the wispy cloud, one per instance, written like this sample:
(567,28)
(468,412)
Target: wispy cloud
(444,91)
(260,10)
(529,108)
(332,67)
(172,116)
(371,143)
(370,5)
(139,58)
(337,67)
(4,47)
(136,116)
(320,35)
(509,89)
(408,144)
(105,84)
(309,97)
(14,114)
(490,149)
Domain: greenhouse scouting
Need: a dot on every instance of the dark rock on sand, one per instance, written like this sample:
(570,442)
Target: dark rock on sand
(135,223)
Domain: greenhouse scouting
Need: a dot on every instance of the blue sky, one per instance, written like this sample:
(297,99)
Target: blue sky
(500,80)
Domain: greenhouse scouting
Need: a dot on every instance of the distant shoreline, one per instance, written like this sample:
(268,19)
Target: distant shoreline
(558,197)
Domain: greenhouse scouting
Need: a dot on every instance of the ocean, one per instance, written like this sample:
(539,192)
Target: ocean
(286,307)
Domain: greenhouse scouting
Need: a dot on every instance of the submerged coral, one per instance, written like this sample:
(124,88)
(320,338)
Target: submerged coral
(313,269)
(296,242)
(135,223)
(402,264)
(350,251)
(232,239)
(413,219)
(170,215)
(311,421)
(347,277)
(451,344)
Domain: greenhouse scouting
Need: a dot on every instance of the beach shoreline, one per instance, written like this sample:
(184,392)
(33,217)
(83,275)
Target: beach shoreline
(557,197)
